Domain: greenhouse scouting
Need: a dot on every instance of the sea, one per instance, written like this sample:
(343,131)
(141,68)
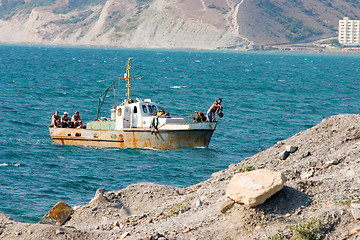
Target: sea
(267,97)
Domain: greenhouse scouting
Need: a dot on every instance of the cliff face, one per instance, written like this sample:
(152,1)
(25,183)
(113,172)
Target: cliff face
(203,24)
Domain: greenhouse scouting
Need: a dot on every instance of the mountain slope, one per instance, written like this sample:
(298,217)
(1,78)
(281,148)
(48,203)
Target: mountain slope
(203,24)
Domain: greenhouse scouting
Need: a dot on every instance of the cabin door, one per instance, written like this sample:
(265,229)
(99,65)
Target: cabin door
(134,117)
(127,114)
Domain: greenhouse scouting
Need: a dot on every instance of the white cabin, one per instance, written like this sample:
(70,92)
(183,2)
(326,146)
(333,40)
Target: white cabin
(139,114)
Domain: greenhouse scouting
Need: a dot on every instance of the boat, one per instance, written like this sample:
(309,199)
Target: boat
(137,123)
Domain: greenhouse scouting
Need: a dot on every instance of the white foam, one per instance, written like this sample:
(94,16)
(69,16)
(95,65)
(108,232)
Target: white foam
(11,164)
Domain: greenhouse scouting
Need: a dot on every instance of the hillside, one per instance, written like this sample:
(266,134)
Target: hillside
(320,199)
(201,24)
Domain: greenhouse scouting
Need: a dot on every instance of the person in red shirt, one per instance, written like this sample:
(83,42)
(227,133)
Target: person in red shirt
(213,109)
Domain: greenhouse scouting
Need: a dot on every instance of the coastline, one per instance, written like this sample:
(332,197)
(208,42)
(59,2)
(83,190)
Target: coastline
(311,47)
(321,190)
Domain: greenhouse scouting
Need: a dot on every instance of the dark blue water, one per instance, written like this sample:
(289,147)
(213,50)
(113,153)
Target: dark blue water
(267,97)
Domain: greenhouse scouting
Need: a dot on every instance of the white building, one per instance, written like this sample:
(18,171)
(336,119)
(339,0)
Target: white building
(349,32)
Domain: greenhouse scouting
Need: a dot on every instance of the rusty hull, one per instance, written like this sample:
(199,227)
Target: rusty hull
(133,138)
(86,137)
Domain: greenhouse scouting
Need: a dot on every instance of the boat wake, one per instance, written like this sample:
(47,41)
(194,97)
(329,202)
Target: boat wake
(178,87)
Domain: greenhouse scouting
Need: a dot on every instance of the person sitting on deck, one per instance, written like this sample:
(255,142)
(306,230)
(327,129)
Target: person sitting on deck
(76,120)
(55,120)
(65,120)
(213,109)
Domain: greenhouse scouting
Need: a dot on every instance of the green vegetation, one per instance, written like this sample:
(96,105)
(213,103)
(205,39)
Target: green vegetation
(326,25)
(296,3)
(73,20)
(278,236)
(176,209)
(131,24)
(143,1)
(270,7)
(347,202)
(300,5)
(305,230)
(117,18)
(113,20)
(212,6)
(295,30)
(353,3)
(10,7)
(85,25)
(141,9)
(334,42)
(228,238)
(222,10)
(309,12)
(310,230)
(245,169)
(77,4)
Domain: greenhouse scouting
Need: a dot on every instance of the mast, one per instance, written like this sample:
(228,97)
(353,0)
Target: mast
(127,78)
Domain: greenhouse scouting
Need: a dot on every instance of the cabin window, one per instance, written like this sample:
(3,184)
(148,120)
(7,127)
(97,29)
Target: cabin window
(119,111)
(144,108)
(154,108)
(135,109)
(150,109)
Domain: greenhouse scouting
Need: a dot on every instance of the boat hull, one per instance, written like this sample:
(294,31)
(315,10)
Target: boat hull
(162,139)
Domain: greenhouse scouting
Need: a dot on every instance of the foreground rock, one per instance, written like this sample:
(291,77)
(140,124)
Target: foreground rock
(58,214)
(254,187)
(319,199)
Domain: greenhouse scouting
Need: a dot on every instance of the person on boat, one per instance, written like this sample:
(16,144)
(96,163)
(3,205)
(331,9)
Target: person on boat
(55,120)
(76,120)
(213,109)
(65,120)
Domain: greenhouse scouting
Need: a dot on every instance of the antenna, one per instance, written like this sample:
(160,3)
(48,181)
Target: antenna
(127,78)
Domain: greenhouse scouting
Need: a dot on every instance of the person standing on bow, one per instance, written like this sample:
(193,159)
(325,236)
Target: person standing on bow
(213,109)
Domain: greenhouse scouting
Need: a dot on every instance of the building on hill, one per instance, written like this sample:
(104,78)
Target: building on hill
(349,32)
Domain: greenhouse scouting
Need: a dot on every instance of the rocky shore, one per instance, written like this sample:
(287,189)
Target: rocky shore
(320,199)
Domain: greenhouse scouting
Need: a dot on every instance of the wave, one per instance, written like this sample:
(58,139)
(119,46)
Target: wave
(10,164)
(23,123)
(178,86)
(32,141)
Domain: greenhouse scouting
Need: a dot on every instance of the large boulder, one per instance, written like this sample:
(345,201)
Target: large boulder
(254,187)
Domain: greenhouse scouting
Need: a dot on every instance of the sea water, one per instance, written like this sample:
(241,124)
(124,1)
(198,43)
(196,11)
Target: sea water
(267,97)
